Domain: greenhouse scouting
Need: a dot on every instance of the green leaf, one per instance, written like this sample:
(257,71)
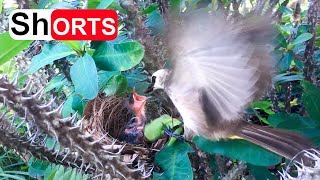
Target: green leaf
(311,100)
(287,77)
(55,83)
(104,77)
(10,47)
(92,4)
(9,68)
(116,6)
(240,150)
(1,1)
(75,45)
(43,3)
(291,121)
(174,7)
(61,5)
(286,60)
(116,85)
(174,162)
(155,129)
(90,51)
(313,134)
(50,172)
(150,9)
(37,167)
(104,4)
(78,104)
(99,4)
(285,10)
(67,174)
(52,143)
(279,40)
(74,174)
(260,172)
(118,57)
(60,173)
(302,38)
(263,105)
(9,176)
(155,22)
(67,110)
(48,55)
(84,76)
(137,79)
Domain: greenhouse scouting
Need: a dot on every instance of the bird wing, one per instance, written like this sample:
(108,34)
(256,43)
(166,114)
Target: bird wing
(228,63)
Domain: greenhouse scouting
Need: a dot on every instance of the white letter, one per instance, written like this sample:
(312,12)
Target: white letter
(55,26)
(94,27)
(106,25)
(80,27)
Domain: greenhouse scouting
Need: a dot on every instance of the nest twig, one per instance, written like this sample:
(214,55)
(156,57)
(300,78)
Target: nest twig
(107,116)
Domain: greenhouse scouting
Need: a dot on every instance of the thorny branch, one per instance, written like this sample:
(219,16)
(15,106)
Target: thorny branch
(26,145)
(312,17)
(92,152)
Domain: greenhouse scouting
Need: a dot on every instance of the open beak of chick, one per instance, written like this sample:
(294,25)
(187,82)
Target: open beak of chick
(138,106)
(134,129)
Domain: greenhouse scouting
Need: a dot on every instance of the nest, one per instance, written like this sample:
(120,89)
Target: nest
(107,116)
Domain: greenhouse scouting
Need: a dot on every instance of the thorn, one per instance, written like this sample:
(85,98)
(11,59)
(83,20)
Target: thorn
(25,98)
(97,176)
(27,85)
(12,119)
(25,113)
(55,111)
(99,140)
(21,124)
(28,129)
(48,125)
(35,135)
(65,120)
(80,148)
(4,114)
(82,165)
(74,127)
(14,82)
(56,136)
(76,157)
(120,150)
(66,155)
(47,105)
(30,88)
(3,89)
(80,123)
(4,100)
(57,154)
(17,92)
(88,166)
(74,117)
(39,93)
(45,138)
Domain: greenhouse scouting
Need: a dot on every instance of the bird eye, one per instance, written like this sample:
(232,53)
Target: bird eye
(153,79)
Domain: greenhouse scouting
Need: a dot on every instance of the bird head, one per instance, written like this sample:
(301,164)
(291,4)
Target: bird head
(158,80)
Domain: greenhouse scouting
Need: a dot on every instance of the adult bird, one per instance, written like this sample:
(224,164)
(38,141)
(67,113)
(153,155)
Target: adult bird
(219,67)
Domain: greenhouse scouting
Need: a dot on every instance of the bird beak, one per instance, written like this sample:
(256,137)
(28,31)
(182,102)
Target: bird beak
(139,102)
(149,88)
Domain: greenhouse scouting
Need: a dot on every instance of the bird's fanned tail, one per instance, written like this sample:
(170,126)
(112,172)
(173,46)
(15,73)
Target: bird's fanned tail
(284,143)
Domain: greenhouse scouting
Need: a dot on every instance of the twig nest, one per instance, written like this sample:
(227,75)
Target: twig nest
(107,116)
